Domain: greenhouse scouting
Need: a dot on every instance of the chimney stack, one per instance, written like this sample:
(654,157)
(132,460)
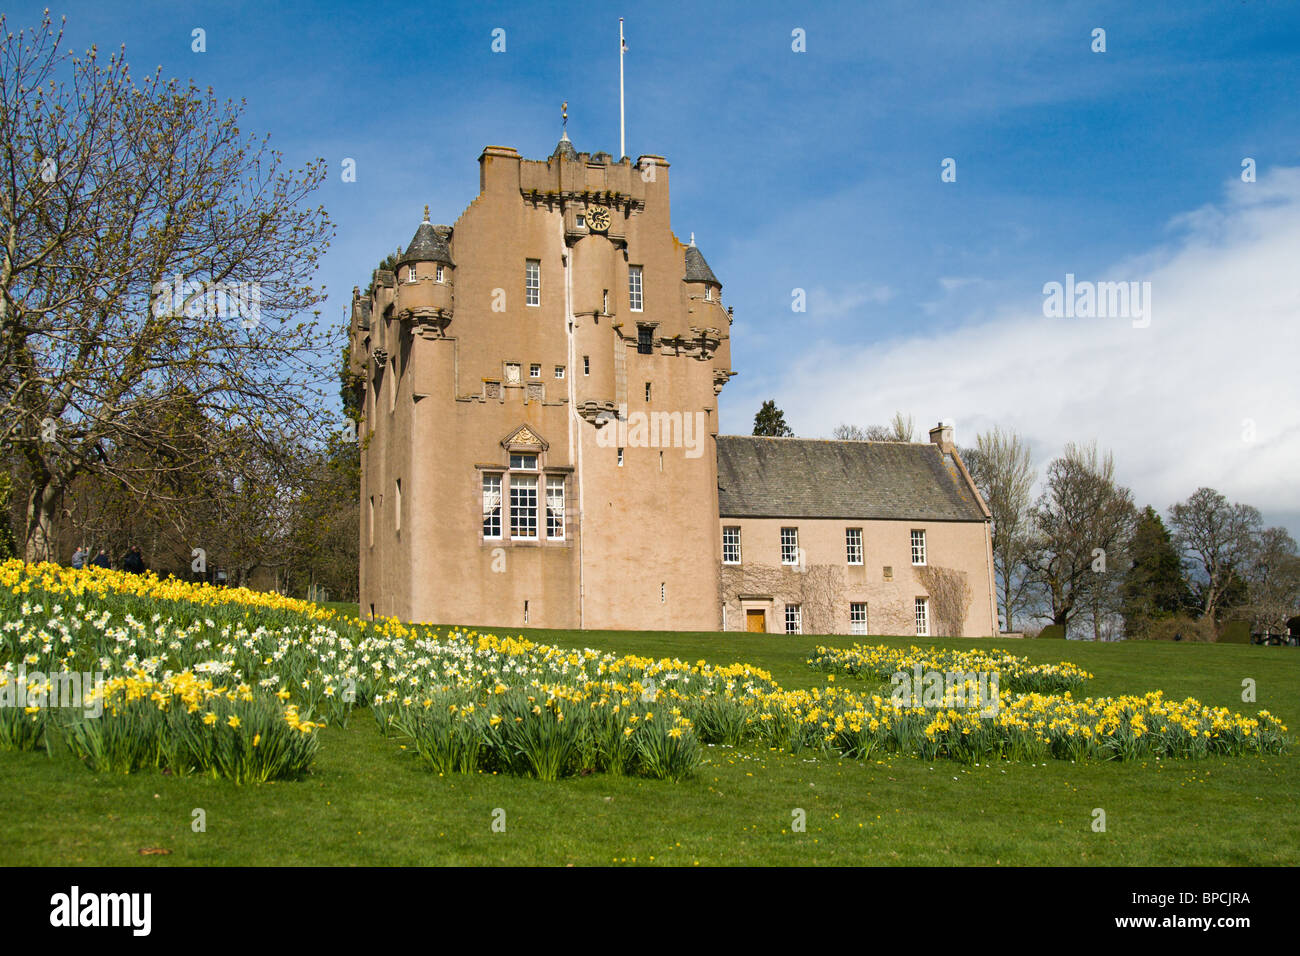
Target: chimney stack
(942,435)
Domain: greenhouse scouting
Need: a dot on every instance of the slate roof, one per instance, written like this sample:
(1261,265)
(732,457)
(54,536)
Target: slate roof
(426,246)
(809,478)
(697,270)
(565,148)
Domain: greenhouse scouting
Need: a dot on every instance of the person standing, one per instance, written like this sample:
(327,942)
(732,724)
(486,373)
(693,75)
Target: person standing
(79,557)
(100,560)
(132,561)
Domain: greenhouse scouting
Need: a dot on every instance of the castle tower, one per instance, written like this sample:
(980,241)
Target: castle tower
(540,407)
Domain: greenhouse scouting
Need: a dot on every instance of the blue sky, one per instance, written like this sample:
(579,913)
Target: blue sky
(821,171)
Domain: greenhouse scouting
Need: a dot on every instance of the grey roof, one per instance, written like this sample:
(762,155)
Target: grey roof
(697,270)
(565,148)
(427,246)
(809,478)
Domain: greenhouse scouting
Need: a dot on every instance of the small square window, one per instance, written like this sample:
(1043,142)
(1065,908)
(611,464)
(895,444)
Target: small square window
(526,462)
(534,371)
(559,371)
(582,222)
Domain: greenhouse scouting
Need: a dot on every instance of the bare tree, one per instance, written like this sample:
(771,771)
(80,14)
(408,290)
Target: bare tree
(149,245)
(900,428)
(1082,522)
(1002,469)
(1272,571)
(1215,538)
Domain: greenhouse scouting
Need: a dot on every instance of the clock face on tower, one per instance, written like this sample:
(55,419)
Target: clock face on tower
(598,218)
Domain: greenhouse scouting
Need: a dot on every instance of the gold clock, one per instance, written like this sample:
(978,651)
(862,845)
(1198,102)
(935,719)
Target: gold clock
(598,218)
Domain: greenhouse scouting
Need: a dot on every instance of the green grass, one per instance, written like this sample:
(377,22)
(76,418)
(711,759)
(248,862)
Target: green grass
(369,803)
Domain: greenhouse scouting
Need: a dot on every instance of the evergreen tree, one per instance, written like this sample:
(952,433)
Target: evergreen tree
(1155,586)
(770,422)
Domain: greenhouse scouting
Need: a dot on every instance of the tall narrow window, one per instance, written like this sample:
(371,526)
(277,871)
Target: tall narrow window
(555,508)
(853,545)
(789,545)
(918,547)
(491,506)
(645,340)
(922,617)
(731,544)
(586,365)
(397,508)
(533,282)
(620,458)
(523,506)
(604,302)
(647,391)
(858,618)
(370,536)
(410,273)
(634,298)
(438,276)
(794,618)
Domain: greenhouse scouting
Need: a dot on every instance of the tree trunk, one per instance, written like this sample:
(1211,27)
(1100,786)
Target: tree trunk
(40,544)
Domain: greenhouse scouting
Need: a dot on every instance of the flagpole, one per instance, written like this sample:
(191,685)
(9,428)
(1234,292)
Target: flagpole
(622,136)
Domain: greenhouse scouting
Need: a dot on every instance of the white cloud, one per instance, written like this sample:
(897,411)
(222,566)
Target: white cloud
(1175,401)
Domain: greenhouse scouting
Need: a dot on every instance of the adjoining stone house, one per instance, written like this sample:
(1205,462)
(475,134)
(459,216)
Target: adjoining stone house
(540,435)
(845,537)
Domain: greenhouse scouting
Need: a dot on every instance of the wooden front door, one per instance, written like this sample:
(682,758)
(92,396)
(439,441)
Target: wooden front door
(756,621)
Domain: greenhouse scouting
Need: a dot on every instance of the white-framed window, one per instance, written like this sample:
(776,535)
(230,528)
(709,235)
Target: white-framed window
(634,298)
(559,371)
(922,617)
(533,282)
(794,618)
(789,545)
(492,506)
(534,371)
(555,508)
(586,365)
(604,302)
(918,547)
(708,293)
(853,545)
(410,273)
(523,506)
(526,462)
(438,274)
(731,544)
(858,617)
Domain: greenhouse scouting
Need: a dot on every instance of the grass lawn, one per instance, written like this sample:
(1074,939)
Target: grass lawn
(369,803)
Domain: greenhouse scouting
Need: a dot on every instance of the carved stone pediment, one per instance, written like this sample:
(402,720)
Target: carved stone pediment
(524,438)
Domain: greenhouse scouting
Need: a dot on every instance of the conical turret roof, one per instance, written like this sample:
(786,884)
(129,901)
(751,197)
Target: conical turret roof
(565,148)
(697,270)
(428,245)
